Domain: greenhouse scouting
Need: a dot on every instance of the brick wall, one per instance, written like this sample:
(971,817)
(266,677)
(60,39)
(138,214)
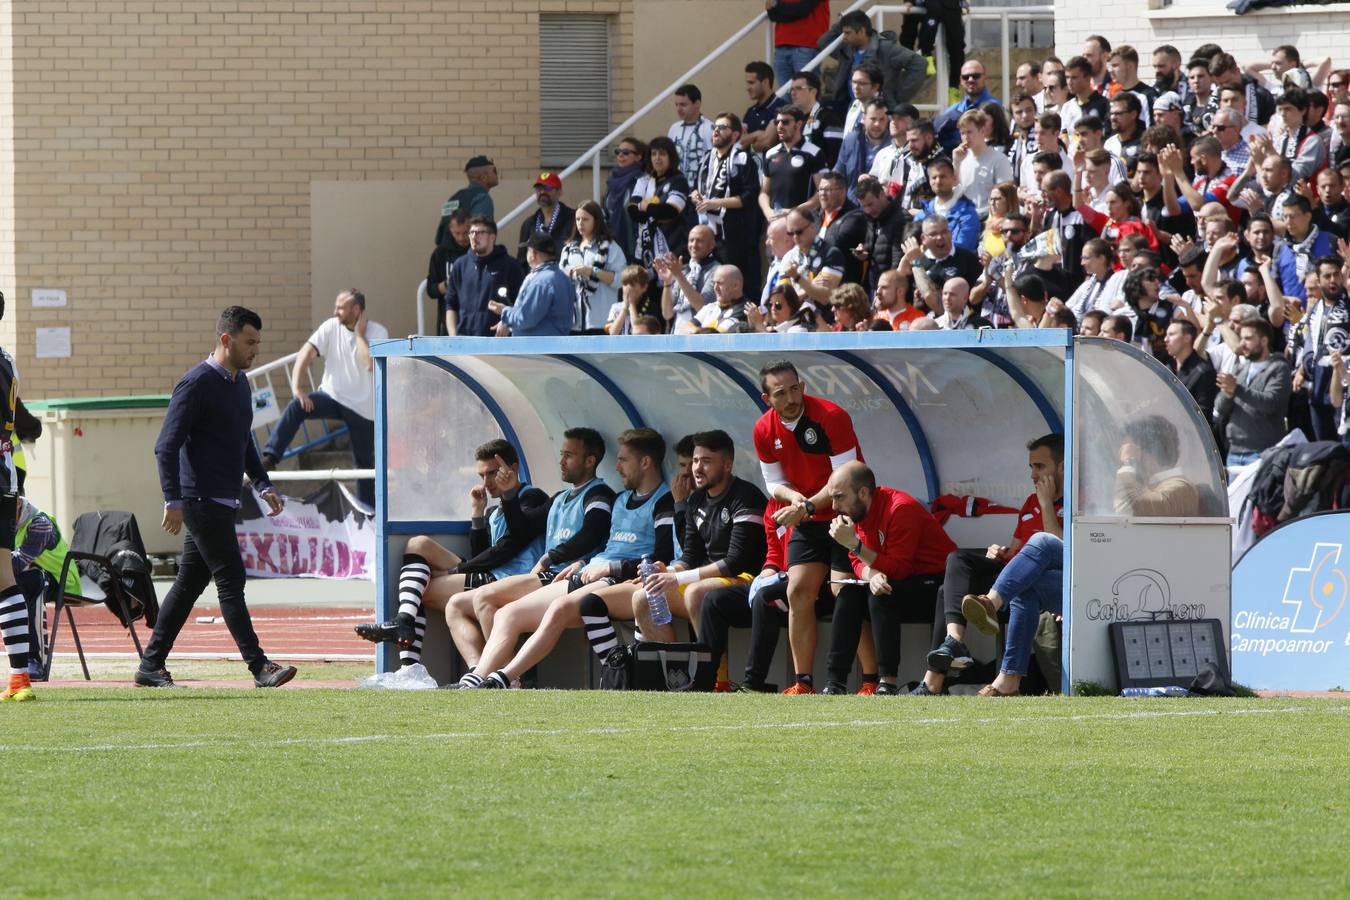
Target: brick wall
(1318,31)
(156,157)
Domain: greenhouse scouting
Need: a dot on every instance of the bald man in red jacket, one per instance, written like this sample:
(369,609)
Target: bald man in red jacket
(900,551)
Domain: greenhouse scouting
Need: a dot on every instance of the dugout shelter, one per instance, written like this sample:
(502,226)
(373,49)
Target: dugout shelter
(935,413)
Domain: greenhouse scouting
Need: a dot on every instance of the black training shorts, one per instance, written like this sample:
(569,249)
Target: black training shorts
(477,579)
(811,543)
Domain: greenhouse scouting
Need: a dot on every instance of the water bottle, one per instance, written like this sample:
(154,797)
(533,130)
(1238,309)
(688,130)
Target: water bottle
(656,603)
(1170,690)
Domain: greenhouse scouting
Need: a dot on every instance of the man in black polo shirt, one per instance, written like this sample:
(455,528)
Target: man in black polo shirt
(759,134)
(203,450)
(789,167)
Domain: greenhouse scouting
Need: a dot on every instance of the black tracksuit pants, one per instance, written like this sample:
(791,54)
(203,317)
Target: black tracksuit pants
(910,601)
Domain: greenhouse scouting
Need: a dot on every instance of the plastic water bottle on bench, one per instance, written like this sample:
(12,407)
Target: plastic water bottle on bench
(656,603)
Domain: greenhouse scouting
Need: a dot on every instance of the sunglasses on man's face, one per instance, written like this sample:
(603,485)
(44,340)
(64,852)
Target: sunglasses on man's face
(971,76)
(792,233)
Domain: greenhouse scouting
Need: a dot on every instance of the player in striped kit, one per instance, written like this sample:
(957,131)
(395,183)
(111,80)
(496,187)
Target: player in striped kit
(507,542)
(643,523)
(13,609)
(578,526)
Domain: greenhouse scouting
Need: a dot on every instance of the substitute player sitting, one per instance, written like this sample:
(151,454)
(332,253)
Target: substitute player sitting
(578,526)
(723,539)
(643,524)
(800,441)
(506,542)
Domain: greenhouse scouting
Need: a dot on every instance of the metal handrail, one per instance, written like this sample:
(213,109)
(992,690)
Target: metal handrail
(281,362)
(593,154)
(260,376)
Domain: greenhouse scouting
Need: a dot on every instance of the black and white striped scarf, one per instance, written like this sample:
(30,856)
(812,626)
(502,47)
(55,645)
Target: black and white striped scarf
(596,255)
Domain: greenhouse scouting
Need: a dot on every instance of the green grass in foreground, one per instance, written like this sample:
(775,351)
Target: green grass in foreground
(365,793)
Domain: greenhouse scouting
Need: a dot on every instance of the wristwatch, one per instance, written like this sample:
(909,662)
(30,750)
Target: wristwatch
(809,507)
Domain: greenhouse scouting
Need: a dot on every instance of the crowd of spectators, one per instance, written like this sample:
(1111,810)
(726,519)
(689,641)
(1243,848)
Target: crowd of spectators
(1202,217)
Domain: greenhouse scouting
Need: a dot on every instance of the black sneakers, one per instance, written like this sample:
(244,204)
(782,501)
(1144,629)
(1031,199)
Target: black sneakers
(835,688)
(272,675)
(396,630)
(950,654)
(159,678)
(924,691)
(888,689)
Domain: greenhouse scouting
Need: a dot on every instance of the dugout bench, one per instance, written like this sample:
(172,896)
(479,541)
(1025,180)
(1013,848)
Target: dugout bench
(935,413)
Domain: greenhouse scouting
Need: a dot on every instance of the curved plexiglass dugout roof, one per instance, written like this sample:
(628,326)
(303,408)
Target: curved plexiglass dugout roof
(935,412)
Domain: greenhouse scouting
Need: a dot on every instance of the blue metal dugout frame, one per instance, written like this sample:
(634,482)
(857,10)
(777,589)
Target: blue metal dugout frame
(936,412)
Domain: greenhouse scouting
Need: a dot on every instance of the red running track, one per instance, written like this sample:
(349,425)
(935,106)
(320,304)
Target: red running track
(284,632)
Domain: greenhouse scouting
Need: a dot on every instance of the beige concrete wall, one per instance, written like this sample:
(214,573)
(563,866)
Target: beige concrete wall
(165,157)
(7,168)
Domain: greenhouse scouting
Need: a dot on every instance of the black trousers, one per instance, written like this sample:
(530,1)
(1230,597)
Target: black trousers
(916,29)
(909,602)
(210,551)
(969,571)
(729,607)
(1322,417)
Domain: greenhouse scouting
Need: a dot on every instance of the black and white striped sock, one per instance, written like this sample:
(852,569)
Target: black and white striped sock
(470,679)
(497,679)
(14,628)
(410,655)
(599,629)
(412,584)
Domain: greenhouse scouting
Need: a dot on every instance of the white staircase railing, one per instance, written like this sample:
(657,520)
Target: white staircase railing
(267,410)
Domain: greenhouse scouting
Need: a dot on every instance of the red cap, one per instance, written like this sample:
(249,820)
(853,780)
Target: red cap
(549,180)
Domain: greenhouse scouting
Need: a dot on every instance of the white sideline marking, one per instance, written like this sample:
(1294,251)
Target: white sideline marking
(756,726)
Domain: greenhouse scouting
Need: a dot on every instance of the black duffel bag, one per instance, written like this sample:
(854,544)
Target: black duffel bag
(652,666)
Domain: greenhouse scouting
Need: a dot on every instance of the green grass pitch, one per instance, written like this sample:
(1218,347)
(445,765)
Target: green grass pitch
(326,793)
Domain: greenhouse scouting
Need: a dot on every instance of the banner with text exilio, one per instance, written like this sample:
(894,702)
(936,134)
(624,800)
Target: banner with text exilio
(328,534)
(1291,624)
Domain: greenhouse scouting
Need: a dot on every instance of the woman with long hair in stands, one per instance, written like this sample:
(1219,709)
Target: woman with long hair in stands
(593,260)
(997,133)
(630,163)
(658,204)
(1002,201)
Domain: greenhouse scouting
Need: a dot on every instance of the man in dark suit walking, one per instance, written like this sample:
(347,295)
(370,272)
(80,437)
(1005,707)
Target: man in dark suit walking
(203,450)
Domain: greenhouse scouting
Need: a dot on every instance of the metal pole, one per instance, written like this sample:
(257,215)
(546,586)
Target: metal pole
(941,66)
(768,41)
(1003,49)
(595,177)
